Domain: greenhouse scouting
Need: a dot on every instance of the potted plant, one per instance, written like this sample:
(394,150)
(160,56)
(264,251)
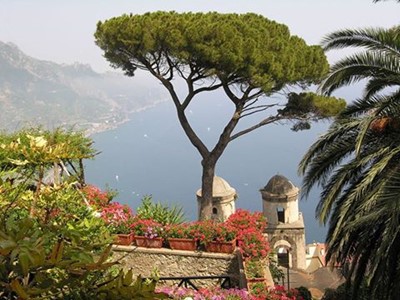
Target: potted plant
(216,237)
(148,233)
(119,217)
(182,236)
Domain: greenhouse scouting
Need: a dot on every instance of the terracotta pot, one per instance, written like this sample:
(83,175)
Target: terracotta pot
(142,241)
(221,247)
(251,280)
(154,243)
(182,244)
(124,239)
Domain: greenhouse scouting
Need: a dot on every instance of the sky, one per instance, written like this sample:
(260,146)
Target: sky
(62,31)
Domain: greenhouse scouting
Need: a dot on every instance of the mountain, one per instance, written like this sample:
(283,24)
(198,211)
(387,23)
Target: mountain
(37,92)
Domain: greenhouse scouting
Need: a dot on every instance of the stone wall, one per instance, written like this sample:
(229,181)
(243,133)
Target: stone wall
(172,263)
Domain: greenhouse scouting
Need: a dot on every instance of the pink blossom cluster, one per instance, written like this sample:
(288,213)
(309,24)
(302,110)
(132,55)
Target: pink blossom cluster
(116,213)
(260,293)
(205,294)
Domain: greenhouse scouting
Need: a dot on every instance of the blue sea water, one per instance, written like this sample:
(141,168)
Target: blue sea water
(150,154)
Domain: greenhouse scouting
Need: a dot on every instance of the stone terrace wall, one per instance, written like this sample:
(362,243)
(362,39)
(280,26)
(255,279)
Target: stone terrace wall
(171,263)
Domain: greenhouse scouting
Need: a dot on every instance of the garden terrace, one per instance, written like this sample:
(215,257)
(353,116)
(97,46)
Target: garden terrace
(177,263)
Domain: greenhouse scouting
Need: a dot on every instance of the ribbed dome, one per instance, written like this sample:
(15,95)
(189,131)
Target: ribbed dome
(280,185)
(221,188)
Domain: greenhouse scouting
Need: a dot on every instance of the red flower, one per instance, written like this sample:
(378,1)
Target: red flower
(96,197)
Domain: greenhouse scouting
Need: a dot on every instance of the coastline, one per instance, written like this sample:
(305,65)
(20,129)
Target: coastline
(95,128)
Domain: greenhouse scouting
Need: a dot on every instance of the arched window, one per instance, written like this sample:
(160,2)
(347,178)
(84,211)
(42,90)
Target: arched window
(215,211)
(283,257)
(281,214)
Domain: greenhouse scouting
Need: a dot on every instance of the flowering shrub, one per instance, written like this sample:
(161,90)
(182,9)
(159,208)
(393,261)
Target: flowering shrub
(118,216)
(243,220)
(254,244)
(205,294)
(262,292)
(97,197)
(147,228)
(258,292)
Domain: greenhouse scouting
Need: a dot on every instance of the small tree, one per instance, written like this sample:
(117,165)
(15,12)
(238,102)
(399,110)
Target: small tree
(28,156)
(247,56)
(59,249)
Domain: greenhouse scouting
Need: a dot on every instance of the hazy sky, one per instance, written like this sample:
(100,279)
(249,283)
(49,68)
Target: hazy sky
(62,31)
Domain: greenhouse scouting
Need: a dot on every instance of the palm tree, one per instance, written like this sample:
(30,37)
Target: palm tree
(356,163)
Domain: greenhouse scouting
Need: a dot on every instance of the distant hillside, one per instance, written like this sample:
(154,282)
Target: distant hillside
(33,91)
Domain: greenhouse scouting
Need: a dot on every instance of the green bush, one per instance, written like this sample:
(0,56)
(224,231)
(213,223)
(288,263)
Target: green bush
(52,245)
(159,212)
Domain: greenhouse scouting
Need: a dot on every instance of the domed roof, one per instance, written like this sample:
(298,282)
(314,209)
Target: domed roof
(221,188)
(279,184)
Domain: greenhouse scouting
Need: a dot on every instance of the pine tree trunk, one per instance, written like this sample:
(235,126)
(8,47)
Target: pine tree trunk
(207,188)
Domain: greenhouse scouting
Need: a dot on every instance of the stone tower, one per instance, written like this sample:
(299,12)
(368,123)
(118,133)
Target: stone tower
(224,197)
(285,228)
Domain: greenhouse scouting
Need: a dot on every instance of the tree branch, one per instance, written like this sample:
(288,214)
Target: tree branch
(208,88)
(256,109)
(229,93)
(224,138)
(266,121)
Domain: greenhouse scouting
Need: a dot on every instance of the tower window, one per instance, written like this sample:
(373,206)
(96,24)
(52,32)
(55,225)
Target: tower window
(281,214)
(215,211)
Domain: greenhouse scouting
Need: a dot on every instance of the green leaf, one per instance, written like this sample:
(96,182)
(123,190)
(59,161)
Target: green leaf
(17,288)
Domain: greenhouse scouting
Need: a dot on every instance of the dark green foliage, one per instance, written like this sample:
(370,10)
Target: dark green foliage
(344,292)
(161,213)
(244,48)
(304,104)
(276,272)
(304,293)
(356,164)
(310,106)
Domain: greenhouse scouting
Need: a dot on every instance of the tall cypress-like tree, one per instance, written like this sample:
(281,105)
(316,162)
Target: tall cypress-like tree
(247,56)
(357,163)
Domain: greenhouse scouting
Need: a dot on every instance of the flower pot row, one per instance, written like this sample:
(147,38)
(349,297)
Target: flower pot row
(254,270)
(140,241)
(175,243)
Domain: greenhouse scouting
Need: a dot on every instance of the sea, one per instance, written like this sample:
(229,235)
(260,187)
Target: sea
(151,155)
